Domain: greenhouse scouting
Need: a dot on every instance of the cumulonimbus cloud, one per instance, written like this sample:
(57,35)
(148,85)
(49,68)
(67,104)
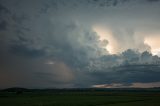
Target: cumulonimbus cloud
(51,44)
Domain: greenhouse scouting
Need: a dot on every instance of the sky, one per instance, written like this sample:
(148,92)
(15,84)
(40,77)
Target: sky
(79,43)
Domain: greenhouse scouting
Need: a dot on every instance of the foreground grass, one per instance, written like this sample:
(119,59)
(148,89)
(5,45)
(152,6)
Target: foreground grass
(92,98)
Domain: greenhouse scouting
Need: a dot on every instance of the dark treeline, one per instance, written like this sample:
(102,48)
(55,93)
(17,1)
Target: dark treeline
(18,89)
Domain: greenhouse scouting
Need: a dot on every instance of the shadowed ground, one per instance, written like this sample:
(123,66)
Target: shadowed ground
(80,98)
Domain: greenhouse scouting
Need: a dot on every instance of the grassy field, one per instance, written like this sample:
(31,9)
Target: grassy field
(80,98)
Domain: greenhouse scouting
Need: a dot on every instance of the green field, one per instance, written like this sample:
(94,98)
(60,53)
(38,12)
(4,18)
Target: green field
(80,98)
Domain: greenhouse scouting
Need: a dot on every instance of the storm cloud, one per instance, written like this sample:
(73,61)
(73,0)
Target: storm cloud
(59,43)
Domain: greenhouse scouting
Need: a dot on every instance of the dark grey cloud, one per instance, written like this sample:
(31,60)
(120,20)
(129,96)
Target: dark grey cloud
(3,25)
(3,22)
(153,0)
(53,43)
(22,50)
(126,68)
(3,9)
(122,74)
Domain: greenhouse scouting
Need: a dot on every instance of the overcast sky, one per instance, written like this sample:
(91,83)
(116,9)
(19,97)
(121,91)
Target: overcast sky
(79,43)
